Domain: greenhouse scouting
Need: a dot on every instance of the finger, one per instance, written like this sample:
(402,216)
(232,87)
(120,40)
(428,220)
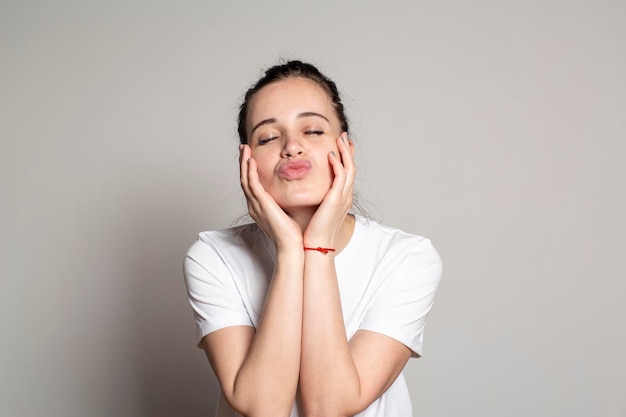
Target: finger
(346,150)
(260,199)
(254,183)
(338,171)
(255,188)
(342,169)
(243,168)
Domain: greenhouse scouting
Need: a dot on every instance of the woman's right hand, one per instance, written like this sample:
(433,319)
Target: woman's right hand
(268,215)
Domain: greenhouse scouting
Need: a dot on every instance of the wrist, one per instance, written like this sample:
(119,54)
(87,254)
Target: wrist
(311,241)
(322,250)
(291,251)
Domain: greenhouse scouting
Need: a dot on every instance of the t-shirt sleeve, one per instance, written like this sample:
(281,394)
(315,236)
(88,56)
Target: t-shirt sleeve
(410,283)
(212,292)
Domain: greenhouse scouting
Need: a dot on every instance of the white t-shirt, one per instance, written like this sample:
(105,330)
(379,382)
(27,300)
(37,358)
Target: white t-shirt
(387,282)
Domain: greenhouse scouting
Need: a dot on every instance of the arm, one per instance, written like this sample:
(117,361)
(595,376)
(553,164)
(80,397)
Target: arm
(258,371)
(340,378)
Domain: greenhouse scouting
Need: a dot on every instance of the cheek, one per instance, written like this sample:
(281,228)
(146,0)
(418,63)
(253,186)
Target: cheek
(262,173)
(264,170)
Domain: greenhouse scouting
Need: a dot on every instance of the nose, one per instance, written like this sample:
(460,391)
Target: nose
(293,146)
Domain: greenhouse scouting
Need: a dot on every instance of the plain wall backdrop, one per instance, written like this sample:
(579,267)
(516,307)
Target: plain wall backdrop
(495,128)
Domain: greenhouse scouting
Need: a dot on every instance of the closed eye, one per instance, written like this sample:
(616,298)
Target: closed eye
(314,132)
(263,141)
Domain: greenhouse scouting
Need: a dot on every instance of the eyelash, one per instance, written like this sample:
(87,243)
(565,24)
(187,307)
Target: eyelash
(307,132)
(264,141)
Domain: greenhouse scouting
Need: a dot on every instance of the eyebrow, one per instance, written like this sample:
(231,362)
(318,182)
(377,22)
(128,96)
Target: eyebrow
(300,115)
(312,114)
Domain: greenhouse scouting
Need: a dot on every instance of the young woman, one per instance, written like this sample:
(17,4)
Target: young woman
(310,310)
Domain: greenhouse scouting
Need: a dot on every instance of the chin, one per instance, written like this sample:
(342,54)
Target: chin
(291,206)
(299,202)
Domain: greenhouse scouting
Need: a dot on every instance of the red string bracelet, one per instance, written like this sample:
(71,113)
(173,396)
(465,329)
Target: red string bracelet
(323,250)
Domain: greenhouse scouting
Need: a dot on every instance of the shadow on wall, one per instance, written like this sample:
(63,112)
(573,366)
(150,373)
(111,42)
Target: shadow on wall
(174,377)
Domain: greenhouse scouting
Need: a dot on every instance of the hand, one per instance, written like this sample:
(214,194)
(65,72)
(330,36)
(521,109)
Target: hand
(330,215)
(268,215)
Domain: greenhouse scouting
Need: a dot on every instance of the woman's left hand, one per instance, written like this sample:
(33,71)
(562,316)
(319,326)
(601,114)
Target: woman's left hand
(327,220)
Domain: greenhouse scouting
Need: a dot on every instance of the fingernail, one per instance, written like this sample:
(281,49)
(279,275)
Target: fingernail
(343,139)
(248,160)
(333,153)
(240,147)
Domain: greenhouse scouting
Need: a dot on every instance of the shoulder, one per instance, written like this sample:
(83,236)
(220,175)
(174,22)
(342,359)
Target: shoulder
(399,259)
(393,242)
(227,248)
(235,239)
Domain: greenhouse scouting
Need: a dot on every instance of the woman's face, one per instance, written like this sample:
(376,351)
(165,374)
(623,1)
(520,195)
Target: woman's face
(292,127)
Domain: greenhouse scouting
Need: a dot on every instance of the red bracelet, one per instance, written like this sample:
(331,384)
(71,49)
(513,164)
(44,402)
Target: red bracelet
(323,250)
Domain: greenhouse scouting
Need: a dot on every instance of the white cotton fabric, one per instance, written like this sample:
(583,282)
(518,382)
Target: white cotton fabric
(387,281)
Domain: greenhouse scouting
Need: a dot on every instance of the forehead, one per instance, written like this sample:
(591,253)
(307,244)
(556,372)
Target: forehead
(287,98)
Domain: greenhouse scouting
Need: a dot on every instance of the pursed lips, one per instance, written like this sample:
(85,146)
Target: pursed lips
(294,169)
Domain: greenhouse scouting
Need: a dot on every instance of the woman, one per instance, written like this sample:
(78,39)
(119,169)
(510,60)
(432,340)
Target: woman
(311,310)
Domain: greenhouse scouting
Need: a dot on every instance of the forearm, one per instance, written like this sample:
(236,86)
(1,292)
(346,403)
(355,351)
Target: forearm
(329,381)
(267,380)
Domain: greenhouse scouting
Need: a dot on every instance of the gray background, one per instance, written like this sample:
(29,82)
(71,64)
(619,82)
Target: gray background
(495,128)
